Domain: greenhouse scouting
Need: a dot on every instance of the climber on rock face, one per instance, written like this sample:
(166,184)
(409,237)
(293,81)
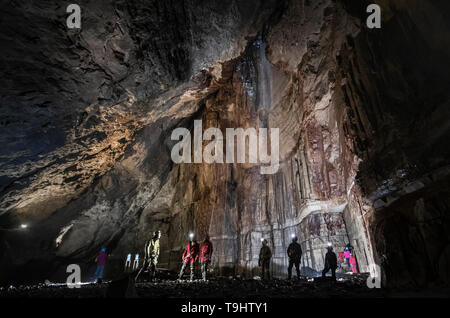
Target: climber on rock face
(294,252)
(330,263)
(206,250)
(190,256)
(152,254)
(264,259)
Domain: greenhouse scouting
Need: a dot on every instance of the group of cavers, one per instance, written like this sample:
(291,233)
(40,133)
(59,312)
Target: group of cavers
(202,253)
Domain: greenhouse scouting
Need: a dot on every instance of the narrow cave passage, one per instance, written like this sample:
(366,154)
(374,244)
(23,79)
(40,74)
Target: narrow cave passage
(251,122)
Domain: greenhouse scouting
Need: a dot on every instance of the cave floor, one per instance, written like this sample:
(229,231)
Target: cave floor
(354,287)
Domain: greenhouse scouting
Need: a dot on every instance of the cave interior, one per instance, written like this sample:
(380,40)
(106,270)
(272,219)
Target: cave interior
(363,116)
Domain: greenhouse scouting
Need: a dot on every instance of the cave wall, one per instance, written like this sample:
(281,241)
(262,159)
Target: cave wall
(242,206)
(396,103)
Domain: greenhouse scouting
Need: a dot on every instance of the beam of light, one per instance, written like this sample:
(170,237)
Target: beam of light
(23,226)
(191,235)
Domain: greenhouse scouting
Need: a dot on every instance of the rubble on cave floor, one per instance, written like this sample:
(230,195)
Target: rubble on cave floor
(242,288)
(166,286)
(307,287)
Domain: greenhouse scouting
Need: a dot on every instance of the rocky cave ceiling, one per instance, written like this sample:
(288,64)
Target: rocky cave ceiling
(87,115)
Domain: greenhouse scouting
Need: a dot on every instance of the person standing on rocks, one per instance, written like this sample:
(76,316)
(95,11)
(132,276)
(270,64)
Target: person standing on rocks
(330,263)
(152,254)
(264,259)
(206,250)
(101,261)
(190,256)
(347,255)
(294,252)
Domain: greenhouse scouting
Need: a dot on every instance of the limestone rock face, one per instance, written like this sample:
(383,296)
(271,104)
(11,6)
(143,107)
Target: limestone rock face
(87,118)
